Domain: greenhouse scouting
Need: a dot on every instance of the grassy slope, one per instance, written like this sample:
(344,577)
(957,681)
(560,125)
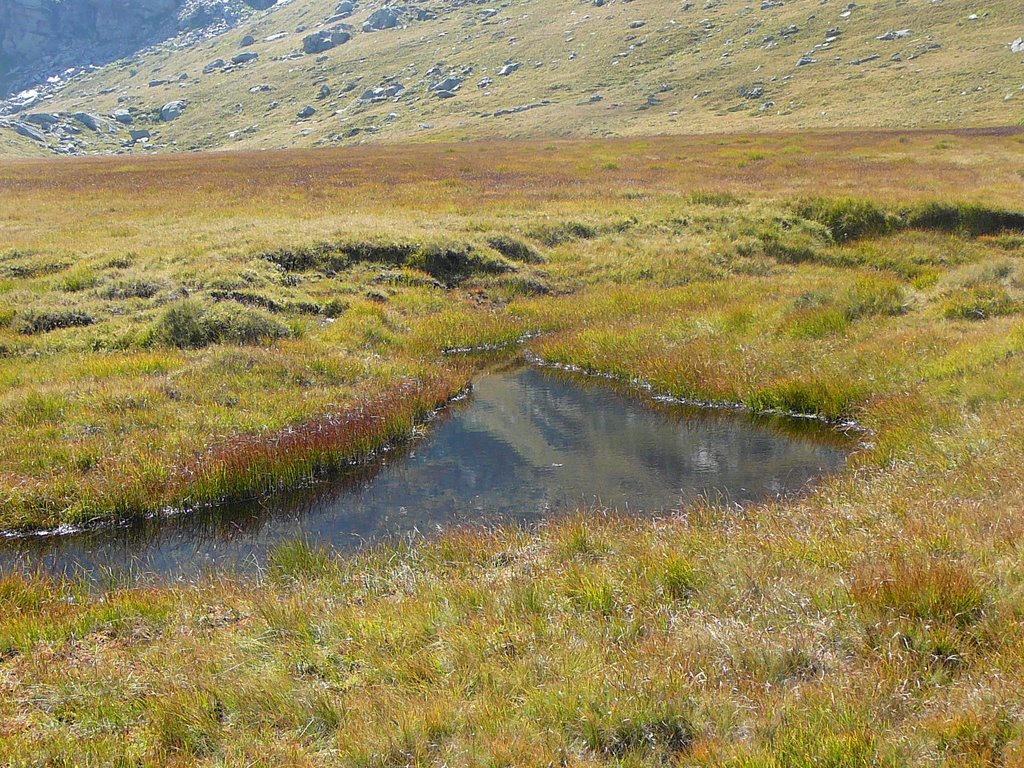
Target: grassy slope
(695,60)
(876,622)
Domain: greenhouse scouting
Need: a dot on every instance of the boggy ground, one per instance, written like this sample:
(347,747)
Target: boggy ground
(189,328)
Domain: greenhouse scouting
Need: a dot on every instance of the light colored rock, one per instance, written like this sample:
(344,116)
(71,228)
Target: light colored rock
(172,110)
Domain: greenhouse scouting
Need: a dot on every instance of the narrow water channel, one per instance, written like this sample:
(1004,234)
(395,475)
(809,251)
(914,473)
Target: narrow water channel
(527,444)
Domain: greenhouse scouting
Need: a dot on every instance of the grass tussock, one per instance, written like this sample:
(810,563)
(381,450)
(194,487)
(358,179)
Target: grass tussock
(188,325)
(930,589)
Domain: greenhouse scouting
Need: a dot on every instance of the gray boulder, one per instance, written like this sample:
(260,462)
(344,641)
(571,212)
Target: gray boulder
(122,116)
(172,110)
(27,131)
(1017,46)
(451,84)
(138,134)
(246,41)
(509,68)
(325,91)
(89,121)
(382,93)
(325,40)
(214,65)
(45,119)
(244,58)
(382,18)
(306,112)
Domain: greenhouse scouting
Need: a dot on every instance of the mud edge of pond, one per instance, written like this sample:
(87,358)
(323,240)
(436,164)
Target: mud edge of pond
(102,523)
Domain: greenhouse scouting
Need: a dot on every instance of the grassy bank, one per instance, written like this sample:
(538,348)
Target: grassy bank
(160,345)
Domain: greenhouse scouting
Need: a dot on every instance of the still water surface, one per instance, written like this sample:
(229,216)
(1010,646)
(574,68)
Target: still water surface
(526,445)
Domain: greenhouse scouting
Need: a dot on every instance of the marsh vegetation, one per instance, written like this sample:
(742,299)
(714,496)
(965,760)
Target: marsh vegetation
(285,316)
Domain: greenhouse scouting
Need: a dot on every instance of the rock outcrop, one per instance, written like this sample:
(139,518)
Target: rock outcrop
(42,38)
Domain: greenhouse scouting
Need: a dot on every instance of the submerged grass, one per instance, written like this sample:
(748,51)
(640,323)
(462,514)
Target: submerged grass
(876,622)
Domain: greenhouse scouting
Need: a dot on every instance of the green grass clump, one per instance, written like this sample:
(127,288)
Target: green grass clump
(846,219)
(558,233)
(131,289)
(715,199)
(660,730)
(981,303)
(514,249)
(969,218)
(190,325)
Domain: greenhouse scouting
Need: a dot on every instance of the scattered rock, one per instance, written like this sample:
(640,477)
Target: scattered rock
(382,18)
(214,65)
(325,91)
(509,68)
(246,41)
(44,119)
(172,110)
(803,61)
(1017,46)
(896,34)
(122,116)
(383,93)
(89,121)
(325,40)
(523,108)
(26,131)
(24,100)
(244,58)
(753,92)
(637,24)
(306,112)
(450,84)
(139,134)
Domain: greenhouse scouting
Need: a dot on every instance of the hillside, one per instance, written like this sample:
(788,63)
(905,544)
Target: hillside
(315,72)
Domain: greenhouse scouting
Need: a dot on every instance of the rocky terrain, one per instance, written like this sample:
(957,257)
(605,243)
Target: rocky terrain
(101,76)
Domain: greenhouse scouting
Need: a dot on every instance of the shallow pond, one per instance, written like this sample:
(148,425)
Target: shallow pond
(524,446)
